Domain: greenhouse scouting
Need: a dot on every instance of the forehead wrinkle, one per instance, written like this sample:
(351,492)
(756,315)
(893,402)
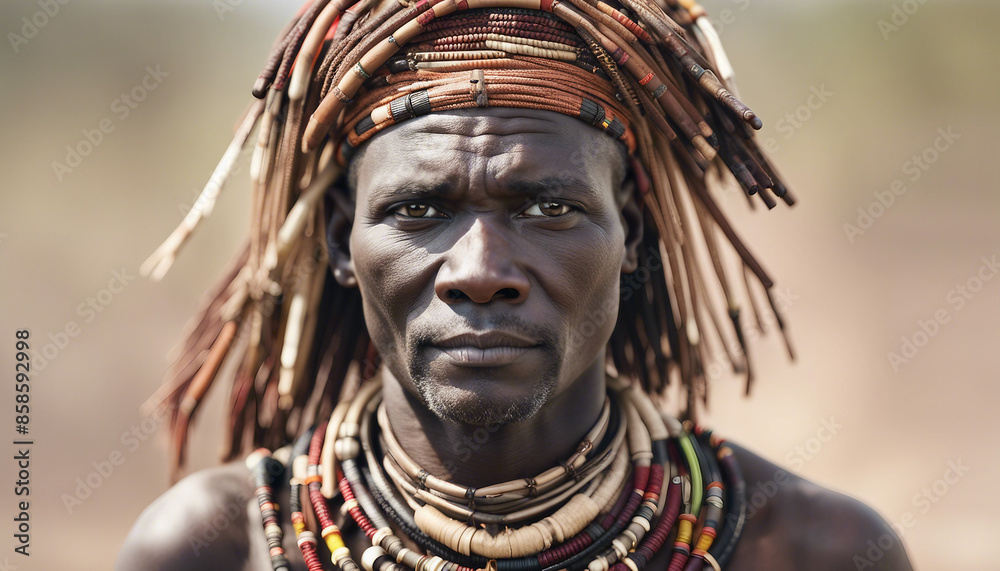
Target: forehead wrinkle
(422,171)
(482,143)
(496,142)
(472,122)
(460,155)
(518,170)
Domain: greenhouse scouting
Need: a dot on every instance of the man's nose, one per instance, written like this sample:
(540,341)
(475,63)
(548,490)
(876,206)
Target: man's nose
(481,267)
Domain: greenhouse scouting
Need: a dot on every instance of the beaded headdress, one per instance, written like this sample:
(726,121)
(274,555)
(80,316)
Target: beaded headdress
(651,74)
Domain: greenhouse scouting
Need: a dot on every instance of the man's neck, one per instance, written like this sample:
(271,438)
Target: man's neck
(479,456)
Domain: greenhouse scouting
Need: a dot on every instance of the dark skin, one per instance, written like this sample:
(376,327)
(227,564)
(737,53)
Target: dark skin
(481,233)
(475,278)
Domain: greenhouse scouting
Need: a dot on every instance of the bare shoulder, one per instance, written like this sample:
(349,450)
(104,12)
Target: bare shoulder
(202,522)
(795,524)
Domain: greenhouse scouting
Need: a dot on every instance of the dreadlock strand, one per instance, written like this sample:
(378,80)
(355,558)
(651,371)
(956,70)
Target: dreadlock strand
(295,40)
(676,228)
(328,386)
(199,333)
(686,105)
(308,369)
(364,27)
(265,157)
(691,268)
(616,349)
(652,326)
(239,400)
(306,58)
(609,66)
(196,392)
(350,16)
(336,365)
(159,262)
(604,19)
(656,113)
(622,19)
(781,324)
(291,171)
(242,390)
(709,230)
(700,70)
(266,77)
(654,17)
(333,98)
(717,327)
(664,302)
(294,353)
(685,116)
(296,219)
(640,353)
(717,52)
(675,285)
(734,240)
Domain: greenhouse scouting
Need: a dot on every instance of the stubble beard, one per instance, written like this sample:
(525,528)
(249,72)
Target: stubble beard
(473,407)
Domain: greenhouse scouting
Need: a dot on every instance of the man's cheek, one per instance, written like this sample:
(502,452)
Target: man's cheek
(382,275)
(591,320)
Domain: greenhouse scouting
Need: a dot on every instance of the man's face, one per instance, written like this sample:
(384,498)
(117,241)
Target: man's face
(488,246)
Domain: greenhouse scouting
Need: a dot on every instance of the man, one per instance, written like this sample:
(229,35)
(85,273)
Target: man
(509,259)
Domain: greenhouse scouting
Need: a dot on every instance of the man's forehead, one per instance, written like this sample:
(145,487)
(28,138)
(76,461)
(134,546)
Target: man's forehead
(504,126)
(515,144)
(489,120)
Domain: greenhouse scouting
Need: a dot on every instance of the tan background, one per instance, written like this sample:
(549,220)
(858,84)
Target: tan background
(849,304)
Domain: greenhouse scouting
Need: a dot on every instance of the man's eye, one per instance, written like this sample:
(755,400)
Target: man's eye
(548,208)
(418,210)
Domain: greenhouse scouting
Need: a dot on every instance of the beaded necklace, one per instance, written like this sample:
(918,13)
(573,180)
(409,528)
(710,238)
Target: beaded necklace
(636,480)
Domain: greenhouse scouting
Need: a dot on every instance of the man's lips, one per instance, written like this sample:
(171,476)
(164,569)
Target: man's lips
(488,349)
(486,340)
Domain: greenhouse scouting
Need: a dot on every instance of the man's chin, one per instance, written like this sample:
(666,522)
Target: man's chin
(483,407)
(486,396)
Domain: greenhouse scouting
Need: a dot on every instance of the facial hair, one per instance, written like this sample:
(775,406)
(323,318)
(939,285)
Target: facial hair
(474,407)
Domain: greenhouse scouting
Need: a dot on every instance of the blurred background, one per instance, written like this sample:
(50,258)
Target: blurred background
(881,114)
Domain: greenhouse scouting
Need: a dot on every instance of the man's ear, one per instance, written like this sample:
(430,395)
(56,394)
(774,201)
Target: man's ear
(631,209)
(338,237)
